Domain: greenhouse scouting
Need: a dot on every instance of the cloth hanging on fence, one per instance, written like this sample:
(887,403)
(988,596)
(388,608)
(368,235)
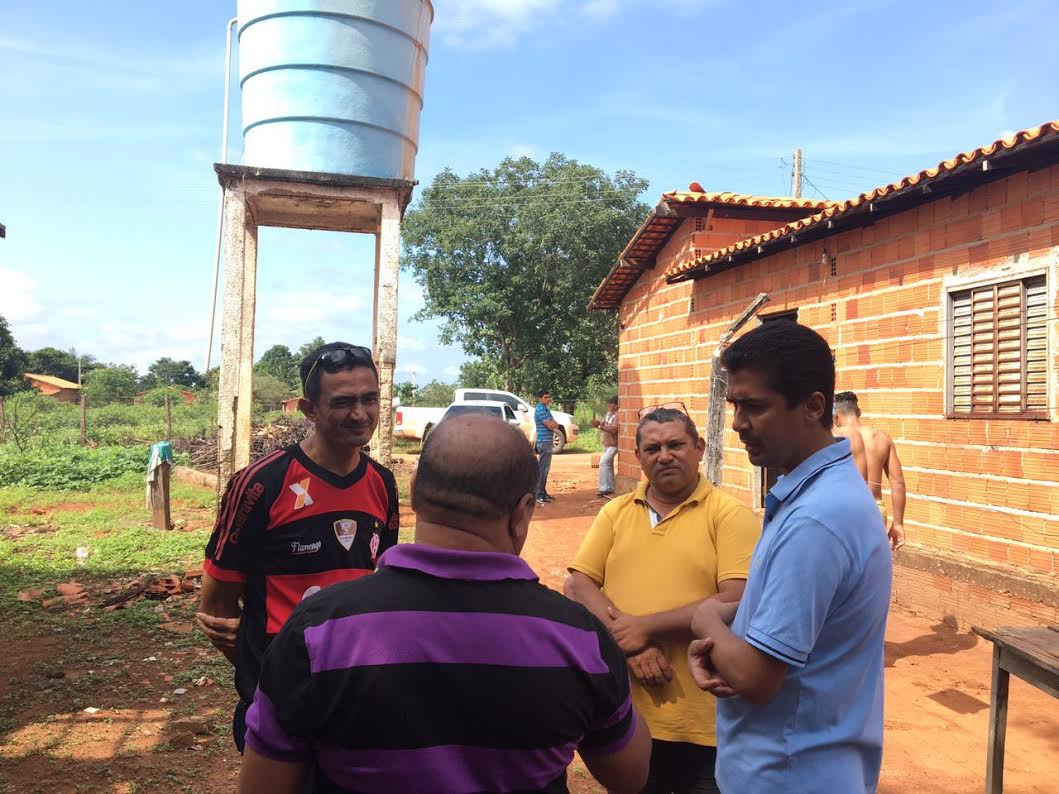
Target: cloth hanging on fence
(162,452)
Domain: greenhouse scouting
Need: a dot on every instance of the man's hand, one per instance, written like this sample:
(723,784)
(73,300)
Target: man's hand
(222,632)
(702,671)
(595,423)
(650,667)
(712,609)
(632,632)
(897,535)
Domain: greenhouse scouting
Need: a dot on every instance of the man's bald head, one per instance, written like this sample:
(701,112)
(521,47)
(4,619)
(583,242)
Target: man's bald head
(473,466)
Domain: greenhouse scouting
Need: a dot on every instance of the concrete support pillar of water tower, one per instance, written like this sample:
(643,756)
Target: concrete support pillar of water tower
(235,388)
(387,271)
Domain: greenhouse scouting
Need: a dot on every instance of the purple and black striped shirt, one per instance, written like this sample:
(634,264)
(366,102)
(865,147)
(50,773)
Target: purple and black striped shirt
(445,671)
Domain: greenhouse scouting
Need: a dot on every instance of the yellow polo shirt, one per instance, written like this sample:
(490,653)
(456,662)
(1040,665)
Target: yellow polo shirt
(707,539)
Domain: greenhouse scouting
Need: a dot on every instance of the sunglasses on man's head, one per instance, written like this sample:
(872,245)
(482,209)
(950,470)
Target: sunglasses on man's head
(674,406)
(339,357)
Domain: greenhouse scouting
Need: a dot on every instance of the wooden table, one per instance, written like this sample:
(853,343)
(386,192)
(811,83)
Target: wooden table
(1033,655)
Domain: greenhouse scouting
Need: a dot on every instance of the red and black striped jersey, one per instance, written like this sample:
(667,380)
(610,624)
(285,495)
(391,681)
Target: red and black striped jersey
(287,528)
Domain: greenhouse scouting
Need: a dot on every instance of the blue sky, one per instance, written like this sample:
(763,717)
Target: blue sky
(110,118)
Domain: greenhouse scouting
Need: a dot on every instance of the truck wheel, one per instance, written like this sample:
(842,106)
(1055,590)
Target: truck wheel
(558,441)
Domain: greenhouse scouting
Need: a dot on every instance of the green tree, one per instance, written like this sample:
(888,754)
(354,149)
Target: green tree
(308,348)
(280,363)
(12,362)
(405,392)
(25,417)
(509,258)
(52,361)
(167,372)
(480,374)
(116,383)
(270,391)
(436,393)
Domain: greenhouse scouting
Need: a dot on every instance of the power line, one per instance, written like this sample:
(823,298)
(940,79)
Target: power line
(856,167)
(814,187)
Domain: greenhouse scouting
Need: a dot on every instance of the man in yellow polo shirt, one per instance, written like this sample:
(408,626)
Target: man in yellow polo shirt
(648,560)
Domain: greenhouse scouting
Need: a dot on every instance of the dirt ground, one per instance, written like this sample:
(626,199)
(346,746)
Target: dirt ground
(144,737)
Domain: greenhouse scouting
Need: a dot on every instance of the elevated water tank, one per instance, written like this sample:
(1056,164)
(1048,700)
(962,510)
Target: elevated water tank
(333,85)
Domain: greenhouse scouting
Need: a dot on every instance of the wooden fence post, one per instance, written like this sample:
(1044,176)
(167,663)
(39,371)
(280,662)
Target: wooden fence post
(84,420)
(158,474)
(3,422)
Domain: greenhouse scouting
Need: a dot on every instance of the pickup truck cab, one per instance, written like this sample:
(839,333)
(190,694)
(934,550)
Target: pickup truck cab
(415,422)
(568,429)
(498,409)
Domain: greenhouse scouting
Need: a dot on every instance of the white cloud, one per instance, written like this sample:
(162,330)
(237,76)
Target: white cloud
(405,343)
(309,309)
(451,371)
(18,297)
(601,9)
(481,24)
(412,368)
(523,150)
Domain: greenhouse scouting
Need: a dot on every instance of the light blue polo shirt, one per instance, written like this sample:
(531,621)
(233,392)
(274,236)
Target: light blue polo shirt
(816,598)
(544,433)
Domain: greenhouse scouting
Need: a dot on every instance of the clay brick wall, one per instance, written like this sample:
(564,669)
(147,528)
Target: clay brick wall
(984,489)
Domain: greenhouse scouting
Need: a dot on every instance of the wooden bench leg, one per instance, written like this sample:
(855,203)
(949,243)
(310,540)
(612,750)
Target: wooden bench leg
(998,720)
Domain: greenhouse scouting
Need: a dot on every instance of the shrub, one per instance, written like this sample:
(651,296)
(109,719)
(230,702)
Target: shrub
(69,467)
(157,395)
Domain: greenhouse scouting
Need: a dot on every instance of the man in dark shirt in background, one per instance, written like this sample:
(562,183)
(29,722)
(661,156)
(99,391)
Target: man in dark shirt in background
(451,669)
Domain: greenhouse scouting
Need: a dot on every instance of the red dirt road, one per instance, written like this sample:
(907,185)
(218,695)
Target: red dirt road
(937,680)
(937,697)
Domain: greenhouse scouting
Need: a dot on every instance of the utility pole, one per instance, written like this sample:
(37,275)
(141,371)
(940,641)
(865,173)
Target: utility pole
(796,183)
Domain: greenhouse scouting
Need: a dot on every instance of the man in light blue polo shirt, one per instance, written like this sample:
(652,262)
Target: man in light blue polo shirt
(799,673)
(546,426)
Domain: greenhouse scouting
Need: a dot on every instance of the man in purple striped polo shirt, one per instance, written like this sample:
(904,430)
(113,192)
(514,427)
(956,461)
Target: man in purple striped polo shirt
(451,669)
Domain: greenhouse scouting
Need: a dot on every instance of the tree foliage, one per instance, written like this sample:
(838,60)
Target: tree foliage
(509,258)
(52,361)
(308,348)
(405,392)
(280,363)
(25,417)
(111,384)
(12,362)
(269,391)
(435,393)
(167,372)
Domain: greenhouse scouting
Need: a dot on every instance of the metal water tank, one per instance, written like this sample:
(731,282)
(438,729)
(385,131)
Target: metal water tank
(333,85)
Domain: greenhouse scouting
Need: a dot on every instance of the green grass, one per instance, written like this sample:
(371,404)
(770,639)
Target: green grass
(40,532)
(408,446)
(587,441)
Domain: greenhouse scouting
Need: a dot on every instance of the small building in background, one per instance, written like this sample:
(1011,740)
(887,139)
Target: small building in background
(290,405)
(51,386)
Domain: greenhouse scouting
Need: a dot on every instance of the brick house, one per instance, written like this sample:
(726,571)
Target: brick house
(938,294)
(61,389)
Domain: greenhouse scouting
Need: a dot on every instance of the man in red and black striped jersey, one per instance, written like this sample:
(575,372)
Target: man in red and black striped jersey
(300,518)
(452,669)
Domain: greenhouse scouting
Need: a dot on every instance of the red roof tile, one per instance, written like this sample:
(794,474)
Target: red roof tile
(640,252)
(829,219)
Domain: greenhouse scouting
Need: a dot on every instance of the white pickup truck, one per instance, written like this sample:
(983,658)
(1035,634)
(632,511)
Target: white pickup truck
(521,419)
(417,422)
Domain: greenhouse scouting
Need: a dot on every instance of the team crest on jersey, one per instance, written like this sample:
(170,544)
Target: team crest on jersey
(301,490)
(346,531)
(374,545)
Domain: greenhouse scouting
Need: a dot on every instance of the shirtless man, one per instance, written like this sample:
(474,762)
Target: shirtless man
(879,455)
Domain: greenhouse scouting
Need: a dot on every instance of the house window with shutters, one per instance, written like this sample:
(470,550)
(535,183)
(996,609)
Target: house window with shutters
(999,350)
